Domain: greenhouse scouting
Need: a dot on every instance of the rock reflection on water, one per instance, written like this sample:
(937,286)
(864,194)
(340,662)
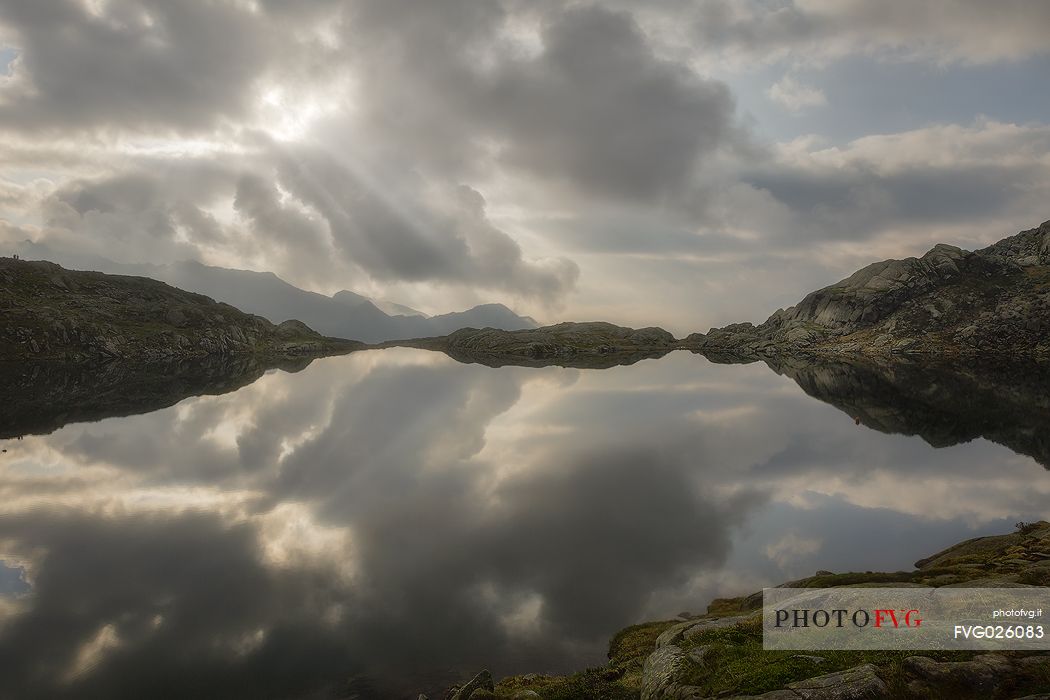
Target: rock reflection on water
(380,523)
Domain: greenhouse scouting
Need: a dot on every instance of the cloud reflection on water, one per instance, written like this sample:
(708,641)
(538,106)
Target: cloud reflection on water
(397,514)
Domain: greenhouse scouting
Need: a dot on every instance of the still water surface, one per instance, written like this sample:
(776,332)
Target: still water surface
(383,523)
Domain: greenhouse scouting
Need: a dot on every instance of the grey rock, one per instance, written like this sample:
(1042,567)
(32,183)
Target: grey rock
(482,681)
(982,674)
(858,683)
(698,655)
(175,317)
(691,628)
(661,672)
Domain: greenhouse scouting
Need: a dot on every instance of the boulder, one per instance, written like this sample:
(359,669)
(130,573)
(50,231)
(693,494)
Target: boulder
(480,682)
(858,683)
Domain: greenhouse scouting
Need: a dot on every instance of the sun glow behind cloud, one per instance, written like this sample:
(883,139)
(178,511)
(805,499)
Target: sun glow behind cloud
(288,116)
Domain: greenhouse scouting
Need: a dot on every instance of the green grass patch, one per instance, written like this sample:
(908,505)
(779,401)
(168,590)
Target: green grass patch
(636,642)
(734,662)
(592,684)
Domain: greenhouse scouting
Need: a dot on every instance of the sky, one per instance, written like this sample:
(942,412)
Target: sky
(673,163)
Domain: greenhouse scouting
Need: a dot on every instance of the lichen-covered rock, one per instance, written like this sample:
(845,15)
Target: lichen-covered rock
(858,683)
(661,676)
(665,667)
(980,675)
(984,676)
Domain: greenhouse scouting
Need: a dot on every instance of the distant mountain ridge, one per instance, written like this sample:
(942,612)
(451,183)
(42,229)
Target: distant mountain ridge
(343,315)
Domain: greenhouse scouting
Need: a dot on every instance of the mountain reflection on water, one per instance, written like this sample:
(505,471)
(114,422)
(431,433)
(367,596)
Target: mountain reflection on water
(382,523)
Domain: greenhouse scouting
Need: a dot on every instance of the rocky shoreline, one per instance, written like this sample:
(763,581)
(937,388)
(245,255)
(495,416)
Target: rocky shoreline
(719,655)
(949,303)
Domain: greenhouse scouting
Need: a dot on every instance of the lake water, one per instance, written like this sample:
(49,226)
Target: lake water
(384,523)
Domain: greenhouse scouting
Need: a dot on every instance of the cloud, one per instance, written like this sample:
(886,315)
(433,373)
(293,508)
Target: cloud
(789,548)
(795,96)
(313,218)
(942,176)
(546,155)
(135,215)
(964,31)
(585,104)
(599,110)
(150,64)
(405,228)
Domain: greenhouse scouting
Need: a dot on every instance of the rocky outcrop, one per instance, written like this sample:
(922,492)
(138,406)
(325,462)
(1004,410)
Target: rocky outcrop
(594,345)
(994,301)
(478,687)
(50,313)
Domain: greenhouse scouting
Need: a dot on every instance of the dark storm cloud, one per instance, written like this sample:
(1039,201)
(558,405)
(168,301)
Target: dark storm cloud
(598,109)
(594,109)
(137,63)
